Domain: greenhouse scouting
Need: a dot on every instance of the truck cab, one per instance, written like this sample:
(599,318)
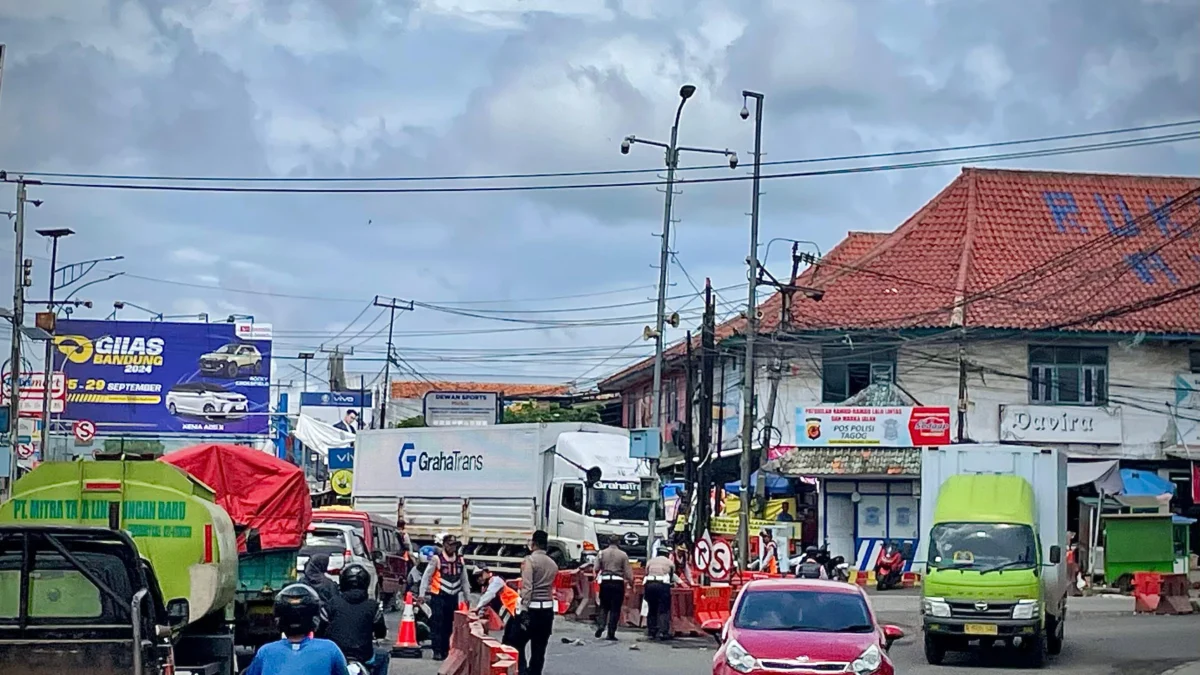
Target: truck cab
(992,556)
(580,515)
(80,599)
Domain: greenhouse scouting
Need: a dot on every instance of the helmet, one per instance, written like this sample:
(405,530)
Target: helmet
(812,551)
(426,554)
(480,569)
(296,609)
(354,577)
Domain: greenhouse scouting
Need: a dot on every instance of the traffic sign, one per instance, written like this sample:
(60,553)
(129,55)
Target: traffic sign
(722,560)
(85,431)
(702,555)
(342,481)
(25,450)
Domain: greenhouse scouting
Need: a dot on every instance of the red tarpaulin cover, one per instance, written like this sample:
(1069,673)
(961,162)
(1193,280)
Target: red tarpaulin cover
(258,491)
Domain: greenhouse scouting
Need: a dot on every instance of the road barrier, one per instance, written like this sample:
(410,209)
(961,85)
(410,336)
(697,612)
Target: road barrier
(472,652)
(712,603)
(683,612)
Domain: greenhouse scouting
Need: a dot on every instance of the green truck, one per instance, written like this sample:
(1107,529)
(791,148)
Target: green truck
(219,600)
(995,518)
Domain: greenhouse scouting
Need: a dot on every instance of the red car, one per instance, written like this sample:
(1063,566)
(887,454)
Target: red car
(788,626)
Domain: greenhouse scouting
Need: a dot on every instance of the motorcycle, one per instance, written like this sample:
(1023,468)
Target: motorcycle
(841,569)
(889,570)
(356,668)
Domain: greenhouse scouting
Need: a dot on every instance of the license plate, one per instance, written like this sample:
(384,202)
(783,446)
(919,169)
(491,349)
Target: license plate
(980,629)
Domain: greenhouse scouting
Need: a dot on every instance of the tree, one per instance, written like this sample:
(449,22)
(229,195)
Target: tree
(519,413)
(410,422)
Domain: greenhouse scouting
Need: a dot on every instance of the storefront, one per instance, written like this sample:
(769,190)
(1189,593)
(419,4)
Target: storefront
(859,517)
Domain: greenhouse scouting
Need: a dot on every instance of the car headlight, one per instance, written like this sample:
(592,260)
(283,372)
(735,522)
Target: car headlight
(936,607)
(738,658)
(1025,609)
(868,662)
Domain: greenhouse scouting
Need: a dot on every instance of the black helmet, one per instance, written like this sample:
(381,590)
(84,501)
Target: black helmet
(296,609)
(354,577)
(812,550)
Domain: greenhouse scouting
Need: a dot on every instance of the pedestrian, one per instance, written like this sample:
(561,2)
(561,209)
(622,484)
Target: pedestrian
(660,577)
(502,599)
(770,552)
(613,571)
(443,587)
(536,610)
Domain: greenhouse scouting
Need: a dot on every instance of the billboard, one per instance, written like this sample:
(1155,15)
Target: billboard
(461,408)
(883,427)
(346,410)
(155,377)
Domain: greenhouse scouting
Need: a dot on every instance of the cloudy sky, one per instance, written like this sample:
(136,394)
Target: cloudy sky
(410,88)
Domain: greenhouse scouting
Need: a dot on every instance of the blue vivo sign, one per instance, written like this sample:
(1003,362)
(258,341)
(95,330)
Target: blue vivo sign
(336,399)
(158,377)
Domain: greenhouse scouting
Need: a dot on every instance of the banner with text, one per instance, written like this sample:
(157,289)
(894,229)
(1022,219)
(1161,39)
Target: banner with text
(160,377)
(887,427)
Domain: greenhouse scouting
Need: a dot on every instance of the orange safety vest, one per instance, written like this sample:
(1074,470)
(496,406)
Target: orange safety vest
(772,551)
(447,576)
(505,603)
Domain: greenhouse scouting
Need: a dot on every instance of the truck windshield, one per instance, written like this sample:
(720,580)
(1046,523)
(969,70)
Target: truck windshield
(982,546)
(619,502)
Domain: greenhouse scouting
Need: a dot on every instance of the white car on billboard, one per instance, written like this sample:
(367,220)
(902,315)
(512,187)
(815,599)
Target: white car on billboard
(205,399)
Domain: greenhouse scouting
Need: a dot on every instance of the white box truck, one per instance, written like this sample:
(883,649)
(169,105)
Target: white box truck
(994,519)
(492,486)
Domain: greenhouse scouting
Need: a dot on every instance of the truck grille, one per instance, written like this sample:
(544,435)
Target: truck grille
(970,609)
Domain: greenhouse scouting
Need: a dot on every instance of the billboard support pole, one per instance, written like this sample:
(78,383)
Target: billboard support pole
(18,318)
(392,304)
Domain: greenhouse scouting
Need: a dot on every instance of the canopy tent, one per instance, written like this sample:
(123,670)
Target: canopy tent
(1144,489)
(1105,475)
(776,485)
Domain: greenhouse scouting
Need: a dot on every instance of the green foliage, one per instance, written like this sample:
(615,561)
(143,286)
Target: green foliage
(134,446)
(410,422)
(519,413)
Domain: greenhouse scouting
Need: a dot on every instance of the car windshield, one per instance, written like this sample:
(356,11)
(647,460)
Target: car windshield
(356,524)
(325,541)
(618,501)
(982,546)
(803,610)
(227,349)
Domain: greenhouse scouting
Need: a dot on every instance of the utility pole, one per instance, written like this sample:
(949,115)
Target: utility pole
(392,304)
(18,321)
(337,370)
(707,363)
(48,360)
(672,161)
(689,447)
(751,330)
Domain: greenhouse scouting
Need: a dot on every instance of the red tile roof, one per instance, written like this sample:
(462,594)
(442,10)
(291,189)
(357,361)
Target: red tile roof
(413,390)
(1024,250)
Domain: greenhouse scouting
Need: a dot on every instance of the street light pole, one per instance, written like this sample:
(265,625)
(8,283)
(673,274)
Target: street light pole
(48,361)
(672,160)
(751,331)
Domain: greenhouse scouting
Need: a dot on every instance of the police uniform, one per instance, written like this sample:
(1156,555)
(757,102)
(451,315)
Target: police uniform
(443,583)
(660,575)
(612,571)
(535,611)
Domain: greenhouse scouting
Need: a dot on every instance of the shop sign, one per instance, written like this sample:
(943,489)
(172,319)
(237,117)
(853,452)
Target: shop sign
(1060,424)
(882,427)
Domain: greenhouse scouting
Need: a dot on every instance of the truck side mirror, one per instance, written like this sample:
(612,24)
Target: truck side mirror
(1055,555)
(177,612)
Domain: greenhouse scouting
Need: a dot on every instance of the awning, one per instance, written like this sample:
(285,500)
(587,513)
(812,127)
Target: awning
(1104,474)
(776,485)
(1144,489)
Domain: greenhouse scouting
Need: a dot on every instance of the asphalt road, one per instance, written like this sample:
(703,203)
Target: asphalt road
(1096,645)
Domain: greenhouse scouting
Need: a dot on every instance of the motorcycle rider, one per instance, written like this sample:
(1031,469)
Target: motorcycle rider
(810,567)
(296,609)
(355,621)
(889,570)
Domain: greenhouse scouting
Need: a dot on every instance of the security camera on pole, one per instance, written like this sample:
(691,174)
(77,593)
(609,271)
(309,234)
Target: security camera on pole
(672,161)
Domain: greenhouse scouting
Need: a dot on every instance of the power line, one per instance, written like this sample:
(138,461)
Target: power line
(1046,152)
(612,172)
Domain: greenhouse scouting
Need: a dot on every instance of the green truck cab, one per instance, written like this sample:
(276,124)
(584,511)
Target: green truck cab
(996,519)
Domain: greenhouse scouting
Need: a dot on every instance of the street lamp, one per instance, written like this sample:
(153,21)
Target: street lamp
(751,331)
(93,282)
(672,161)
(48,376)
(306,357)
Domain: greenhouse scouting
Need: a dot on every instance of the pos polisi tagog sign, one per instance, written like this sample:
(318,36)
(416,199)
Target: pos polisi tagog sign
(160,377)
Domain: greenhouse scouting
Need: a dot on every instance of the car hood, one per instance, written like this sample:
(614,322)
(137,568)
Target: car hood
(818,647)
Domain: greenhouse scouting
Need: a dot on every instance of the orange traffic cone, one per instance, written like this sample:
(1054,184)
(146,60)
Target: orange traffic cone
(463,607)
(406,639)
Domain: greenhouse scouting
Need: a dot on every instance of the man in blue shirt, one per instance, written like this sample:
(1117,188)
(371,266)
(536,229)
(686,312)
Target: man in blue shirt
(296,610)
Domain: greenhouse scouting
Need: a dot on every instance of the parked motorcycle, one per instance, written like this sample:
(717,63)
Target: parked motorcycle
(889,571)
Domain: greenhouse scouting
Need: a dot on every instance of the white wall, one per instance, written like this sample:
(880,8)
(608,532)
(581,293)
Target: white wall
(1141,380)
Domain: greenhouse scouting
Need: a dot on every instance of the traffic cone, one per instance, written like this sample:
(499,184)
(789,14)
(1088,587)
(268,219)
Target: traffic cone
(463,607)
(406,639)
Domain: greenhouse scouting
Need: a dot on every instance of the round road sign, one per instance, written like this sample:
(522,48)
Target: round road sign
(722,560)
(702,555)
(24,450)
(85,431)
(342,481)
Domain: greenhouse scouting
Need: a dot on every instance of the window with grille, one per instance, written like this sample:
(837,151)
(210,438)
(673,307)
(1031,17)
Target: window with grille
(847,371)
(1194,359)
(1068,375)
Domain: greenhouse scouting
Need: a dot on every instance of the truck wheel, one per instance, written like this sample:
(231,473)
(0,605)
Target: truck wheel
(1055,631)
(935,650)
(1035,652)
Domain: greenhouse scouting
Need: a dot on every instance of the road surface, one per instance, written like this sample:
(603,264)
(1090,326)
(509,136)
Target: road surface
(1097,644)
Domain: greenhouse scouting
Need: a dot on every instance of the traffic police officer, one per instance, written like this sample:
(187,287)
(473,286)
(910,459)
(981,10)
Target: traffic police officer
(660,576)
(535,613)
(613,571)
(503,600)
(443,584)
